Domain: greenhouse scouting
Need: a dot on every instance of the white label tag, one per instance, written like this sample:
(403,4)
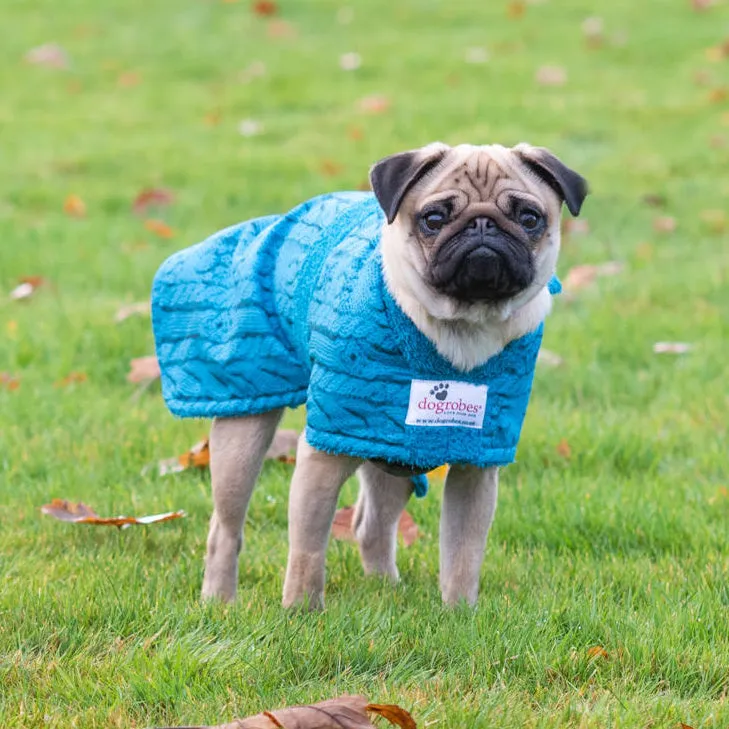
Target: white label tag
(446,403)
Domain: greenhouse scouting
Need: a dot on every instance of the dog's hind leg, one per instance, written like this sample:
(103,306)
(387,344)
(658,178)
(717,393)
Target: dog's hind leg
(237,449)
(382,498)
(469,504)
(315,486)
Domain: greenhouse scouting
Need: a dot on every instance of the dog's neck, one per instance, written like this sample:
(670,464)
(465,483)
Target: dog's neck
(467,335)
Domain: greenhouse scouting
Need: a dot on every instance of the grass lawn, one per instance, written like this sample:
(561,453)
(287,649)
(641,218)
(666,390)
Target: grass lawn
(605,591)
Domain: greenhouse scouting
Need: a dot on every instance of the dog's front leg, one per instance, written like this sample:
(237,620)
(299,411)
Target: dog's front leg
(469,503)
(237,449)
(315,486)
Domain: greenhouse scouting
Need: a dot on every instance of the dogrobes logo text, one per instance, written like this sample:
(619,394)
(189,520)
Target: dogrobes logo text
(454,406)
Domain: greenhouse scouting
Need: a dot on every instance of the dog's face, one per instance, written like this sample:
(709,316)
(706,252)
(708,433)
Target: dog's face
(480,224)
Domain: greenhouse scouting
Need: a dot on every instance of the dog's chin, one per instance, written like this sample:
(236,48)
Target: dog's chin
(488,274)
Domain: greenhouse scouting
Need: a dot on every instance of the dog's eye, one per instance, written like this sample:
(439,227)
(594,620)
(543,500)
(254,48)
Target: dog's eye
(433,221)
(529,219)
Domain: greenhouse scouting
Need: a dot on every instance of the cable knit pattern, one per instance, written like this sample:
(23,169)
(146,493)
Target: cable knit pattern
(283,310)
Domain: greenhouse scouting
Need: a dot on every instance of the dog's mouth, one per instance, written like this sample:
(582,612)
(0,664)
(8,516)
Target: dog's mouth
(482,262)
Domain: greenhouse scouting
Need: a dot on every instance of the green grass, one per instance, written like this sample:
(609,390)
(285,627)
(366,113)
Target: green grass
(624,545)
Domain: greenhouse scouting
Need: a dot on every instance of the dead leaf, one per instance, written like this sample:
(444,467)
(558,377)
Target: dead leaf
(564,449)
(141,308)
(283,447)
(143,369)
(26,287)
(716,220)
(344,712)
(265,8)
(597,651)
(593,30)
(8,382)
(280,29)
(350,61)
(152,197)
(515,9)
(549,358)
(575,226)
(82,514)
(718,95)
(74,206)
(376,104)
(197,457)
(50,55)
(329,168)
(580,277)
(672,347)
(249,127)
(684,726)
(355,134)
(551,76)
(71,378)
(159,228)
(664,224)
(342,526)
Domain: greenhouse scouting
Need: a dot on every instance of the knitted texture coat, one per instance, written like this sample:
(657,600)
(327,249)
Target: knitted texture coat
(291,309)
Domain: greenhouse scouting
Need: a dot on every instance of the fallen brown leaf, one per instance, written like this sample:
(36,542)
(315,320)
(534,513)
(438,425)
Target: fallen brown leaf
(143,369)
(672,347)
(515,9)
(344,712)
(265,8)
(564,449)
(197,457)
(8,382)
(27,286)
(376,104)
(280,29)
(551,76)
(342,526)
(685,726)
(82,514)
(71,378)
(141,308)
(283,446)
(329,168)
(549,358)
(159,228)
(716,220)
(597,651)
(580,277)
(664,224)
(74,206)
(152,197)
(50,54)
(718,95)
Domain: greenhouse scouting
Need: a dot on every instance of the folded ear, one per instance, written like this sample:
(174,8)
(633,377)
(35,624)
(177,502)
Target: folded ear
(571,187)
(393,176)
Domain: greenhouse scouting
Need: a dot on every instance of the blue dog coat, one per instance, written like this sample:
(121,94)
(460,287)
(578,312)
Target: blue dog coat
(291,309)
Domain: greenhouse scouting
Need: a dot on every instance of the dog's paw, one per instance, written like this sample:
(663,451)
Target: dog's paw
(440,392)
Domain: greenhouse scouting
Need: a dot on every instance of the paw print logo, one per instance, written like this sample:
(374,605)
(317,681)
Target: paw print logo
(440,392)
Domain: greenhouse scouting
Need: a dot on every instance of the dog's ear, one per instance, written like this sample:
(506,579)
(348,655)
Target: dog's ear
(393,176)
(571,187)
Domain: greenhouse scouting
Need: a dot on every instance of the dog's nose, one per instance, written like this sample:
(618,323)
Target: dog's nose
(482,224)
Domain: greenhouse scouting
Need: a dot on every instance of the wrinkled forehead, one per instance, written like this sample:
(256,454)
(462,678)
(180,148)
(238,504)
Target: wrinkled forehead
(481,169)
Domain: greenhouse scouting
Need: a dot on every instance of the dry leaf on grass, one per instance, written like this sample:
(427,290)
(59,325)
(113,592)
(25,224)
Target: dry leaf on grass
(664,224)
(551,76)
(344,712)
(515,9)
(564,449)
(74,207)
(548,358)
(71,378)
(375,104)
(50,54)
(283,446)
(581,277)
(672,347)
(26,287)
(82,514)
(342,526)
(159,228)
(597,651)
(153,197)
(8,382)
(265,8)
(143,369)
(141,308)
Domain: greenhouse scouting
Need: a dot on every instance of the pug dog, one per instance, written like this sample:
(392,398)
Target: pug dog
(407,319)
